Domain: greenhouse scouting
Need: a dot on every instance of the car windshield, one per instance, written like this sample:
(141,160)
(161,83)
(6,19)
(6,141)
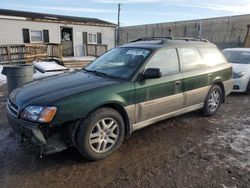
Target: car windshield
(239,57)
(119,62)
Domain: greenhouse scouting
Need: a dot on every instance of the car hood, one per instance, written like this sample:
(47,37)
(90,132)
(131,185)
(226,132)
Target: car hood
(47,90)
(241,68)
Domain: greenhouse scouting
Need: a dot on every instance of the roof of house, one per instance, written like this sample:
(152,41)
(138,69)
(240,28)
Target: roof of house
(55,18)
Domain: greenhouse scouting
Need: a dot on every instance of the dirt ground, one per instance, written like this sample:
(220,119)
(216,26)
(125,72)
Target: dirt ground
(186,151)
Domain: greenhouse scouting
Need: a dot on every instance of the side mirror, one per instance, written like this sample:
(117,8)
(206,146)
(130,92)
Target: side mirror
(152,73)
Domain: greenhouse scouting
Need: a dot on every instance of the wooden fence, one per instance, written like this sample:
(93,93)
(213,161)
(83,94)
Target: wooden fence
(22,53)
(96,50)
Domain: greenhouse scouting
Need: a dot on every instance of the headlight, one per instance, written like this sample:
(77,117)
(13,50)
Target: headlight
(238,74)
(39,113)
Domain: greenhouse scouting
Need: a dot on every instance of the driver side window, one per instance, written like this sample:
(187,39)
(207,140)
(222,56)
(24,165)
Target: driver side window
(166,60)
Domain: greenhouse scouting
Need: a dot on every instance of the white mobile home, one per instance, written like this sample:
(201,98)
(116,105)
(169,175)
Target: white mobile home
(73,33)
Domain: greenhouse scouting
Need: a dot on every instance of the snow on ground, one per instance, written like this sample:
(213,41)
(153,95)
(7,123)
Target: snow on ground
(84,58)
(38,74)
(238,139)
(46,66)
(235,141)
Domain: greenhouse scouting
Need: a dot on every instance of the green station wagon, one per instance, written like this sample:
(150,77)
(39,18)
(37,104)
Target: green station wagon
(126,89)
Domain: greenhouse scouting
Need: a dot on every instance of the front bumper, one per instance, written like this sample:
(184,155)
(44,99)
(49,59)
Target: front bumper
(240,84)
(27,129)
(51,140)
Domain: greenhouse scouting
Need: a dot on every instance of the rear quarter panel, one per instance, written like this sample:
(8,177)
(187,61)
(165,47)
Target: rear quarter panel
(223,75)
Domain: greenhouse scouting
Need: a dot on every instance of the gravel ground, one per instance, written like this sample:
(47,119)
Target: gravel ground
(186,151)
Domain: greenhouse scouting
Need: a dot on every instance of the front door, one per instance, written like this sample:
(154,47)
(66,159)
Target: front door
(160,96)
(67,41)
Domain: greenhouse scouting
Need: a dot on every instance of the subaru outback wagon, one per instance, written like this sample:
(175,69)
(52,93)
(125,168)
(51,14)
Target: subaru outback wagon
(126,89)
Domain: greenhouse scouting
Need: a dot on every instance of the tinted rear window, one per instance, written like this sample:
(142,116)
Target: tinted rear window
(211,56)
(189,59)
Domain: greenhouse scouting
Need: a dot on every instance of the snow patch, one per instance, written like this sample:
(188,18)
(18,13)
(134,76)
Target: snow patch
(48,66)
(38,75)
(237,140)
(84,58)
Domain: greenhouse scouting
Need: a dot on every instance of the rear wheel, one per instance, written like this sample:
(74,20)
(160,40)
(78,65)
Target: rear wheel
(100,134)
(213,101)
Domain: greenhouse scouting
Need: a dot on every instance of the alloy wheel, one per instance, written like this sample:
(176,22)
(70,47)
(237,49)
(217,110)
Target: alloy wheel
(104,135)
(214,100)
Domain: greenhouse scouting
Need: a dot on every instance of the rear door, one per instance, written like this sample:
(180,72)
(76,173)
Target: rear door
(196,76)
(156,97)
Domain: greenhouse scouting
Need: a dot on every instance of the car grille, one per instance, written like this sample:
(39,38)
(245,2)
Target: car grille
(12,108)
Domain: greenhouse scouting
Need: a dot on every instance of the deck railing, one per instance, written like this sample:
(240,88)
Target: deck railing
(96,50)
(9,53)
(26,53)
(29,52)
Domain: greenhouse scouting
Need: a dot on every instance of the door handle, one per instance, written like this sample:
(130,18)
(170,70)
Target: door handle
(177,83)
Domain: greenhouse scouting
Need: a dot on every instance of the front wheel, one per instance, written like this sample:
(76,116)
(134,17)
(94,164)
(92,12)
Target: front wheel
(213,101)
(100,134)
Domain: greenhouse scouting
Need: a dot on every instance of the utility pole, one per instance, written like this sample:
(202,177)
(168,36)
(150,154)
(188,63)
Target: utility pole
(200,29)
(118,26)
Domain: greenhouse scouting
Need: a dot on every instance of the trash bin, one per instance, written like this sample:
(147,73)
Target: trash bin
(17,75)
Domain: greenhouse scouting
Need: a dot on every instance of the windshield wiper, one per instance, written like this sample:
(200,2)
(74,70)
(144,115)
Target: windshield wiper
(102,74)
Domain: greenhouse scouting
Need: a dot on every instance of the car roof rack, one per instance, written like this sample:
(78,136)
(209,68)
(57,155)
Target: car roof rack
(191,39)
(164,39)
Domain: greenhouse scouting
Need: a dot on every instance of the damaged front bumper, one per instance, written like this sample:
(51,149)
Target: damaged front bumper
(50,141)
(27,129)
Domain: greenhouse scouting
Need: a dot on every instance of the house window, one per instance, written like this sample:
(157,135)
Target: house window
(36,36)
(92,38)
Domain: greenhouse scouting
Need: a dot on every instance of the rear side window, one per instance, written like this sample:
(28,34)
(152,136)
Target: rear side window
(212,56)
(190,59)
(166,60)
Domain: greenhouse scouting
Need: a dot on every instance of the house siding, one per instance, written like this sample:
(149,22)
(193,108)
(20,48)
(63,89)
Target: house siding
(108,36)
(11,33)
(11,30)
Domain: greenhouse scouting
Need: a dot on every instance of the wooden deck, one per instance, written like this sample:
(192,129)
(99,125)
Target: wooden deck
(26,53)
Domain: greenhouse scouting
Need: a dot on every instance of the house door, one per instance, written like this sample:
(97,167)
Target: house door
(67,41)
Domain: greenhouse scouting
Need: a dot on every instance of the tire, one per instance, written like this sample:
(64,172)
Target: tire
(248,88)
(213,101)
(100,134)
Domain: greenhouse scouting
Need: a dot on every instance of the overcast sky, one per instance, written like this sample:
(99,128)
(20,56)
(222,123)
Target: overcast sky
(134,12)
